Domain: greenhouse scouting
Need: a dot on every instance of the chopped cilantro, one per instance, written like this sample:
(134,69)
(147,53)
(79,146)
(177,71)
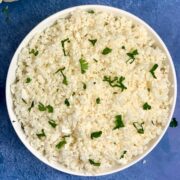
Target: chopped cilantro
(42,134)
(153,69)
(118,122)
(84,65)
(52,123)
(139,127)
(92,41)
(98,100)
(91,161)
(173,123)
(116,82)
(146,106)
(28,80)
(84,86)
(90,11)
(106,51)
(41,107)
(132,55)
(35,52)
(63,45)
(32,105)
(61,144)
(96,134)
(122,156)
(64,77)
(66,102)
(24,101)
(50,108)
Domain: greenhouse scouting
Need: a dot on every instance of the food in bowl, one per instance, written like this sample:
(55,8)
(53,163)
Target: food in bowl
(92,91)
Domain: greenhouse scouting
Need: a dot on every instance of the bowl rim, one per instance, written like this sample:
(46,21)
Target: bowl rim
(39,28)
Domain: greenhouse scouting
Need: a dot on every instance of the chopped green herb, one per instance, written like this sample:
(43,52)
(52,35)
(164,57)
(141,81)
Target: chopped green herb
(42,134)
(5,11)
(41,107)
(84,65)
(64,77)
(148,89)
(32,105)
(94,163)
(122,156)
(146,106)
(116,82)
(28,80)
(35,52)
(66,102)
(24,101)
(50,108)
(106,51)
(173,123)
(96,134)
(95,60)
(63,47)
(98,100)
(61,144)
(84,86)
(73,93)
(123,47)
(118,122)
(153,69)
(92,41)
(52,123)
(139,127)
(90,11)
(132,55)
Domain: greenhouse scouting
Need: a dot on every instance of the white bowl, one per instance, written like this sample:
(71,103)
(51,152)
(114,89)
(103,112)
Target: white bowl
(49,21)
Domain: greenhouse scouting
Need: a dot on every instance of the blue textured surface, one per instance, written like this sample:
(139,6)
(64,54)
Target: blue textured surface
(16,162)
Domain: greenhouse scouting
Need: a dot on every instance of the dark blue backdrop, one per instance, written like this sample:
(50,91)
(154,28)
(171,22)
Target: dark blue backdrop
(16,162)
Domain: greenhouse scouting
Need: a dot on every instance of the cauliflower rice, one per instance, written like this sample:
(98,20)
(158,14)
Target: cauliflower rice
(91,91)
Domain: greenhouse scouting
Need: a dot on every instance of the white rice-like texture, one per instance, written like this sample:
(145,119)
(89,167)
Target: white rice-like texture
(84,115)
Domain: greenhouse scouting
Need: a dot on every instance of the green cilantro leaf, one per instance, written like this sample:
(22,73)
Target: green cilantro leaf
(173,123)
(98,100)
(50,108)
(61,144)
(92,41)
(63,45)
(28,80)
(32,105)
(146,106)
(66,102)
(64,77)
(52,123)
(116,82)
(42,134)
(153,69)
(139,127)
(106,51)
(132,55)
(118,122)
(122,156)
(84,65)
(96,134)
(41,107)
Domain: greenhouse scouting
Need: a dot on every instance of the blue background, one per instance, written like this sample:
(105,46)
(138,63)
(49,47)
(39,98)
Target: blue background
(16,162)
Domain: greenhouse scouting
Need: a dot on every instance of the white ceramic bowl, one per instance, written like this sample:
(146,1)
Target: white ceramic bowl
(49,21)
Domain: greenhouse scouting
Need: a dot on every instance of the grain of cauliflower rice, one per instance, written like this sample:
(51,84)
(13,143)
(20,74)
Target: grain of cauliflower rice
(91,91)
